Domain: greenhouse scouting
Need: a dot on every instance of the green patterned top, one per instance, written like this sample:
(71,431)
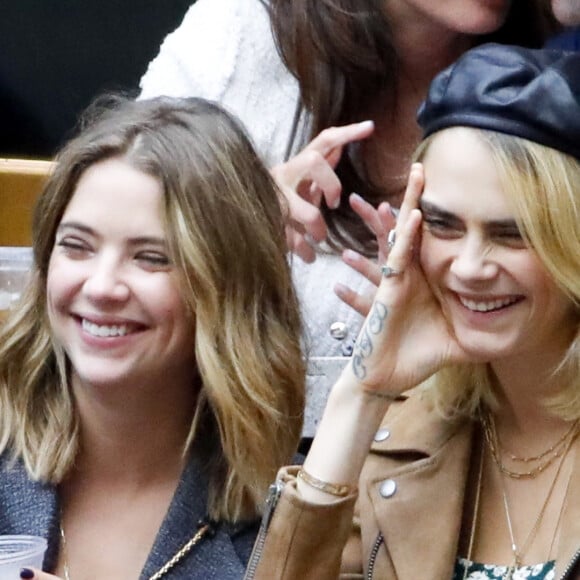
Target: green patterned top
(477,571)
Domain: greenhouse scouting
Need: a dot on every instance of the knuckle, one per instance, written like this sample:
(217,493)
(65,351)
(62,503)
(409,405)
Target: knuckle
(313,157)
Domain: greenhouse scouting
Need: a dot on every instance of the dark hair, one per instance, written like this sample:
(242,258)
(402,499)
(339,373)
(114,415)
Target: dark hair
(342,53)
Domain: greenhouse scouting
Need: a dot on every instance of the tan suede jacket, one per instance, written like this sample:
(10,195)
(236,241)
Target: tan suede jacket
(411,495)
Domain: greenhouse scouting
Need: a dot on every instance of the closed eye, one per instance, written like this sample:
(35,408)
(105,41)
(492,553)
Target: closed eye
(73,247)
(511,238)
(442,227)
(153,259)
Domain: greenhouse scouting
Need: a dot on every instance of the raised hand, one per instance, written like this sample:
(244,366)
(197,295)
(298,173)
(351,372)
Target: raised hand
(404,340)
(405,337)
(309,177)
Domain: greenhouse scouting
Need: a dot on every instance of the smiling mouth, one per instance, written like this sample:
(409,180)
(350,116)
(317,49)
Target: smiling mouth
(104,330)
(488,305)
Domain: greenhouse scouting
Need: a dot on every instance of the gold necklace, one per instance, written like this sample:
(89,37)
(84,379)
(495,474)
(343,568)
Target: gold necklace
(203,528)
(551,449)
(519,552)
(475,518)
(553,453)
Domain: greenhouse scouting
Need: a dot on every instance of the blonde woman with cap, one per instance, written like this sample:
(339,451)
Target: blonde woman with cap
(449,447)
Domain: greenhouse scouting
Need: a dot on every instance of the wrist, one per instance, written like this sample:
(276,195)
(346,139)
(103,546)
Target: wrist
(343,438)
(354,396)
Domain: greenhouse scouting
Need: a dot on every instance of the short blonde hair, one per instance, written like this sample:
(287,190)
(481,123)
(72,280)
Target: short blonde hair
(543,186)
(226,235)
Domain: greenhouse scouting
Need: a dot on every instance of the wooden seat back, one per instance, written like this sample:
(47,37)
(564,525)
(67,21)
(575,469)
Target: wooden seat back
(21,181)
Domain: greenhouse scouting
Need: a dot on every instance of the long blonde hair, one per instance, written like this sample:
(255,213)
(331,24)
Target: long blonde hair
(543,186)
(225,233)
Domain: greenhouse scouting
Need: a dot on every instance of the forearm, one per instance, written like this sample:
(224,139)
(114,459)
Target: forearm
(303,540)
(343,438)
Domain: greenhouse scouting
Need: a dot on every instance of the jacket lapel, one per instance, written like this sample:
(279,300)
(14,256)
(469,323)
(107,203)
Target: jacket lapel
(29,507)
(427,460)
(214,557)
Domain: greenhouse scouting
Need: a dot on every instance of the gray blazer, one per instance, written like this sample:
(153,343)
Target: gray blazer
(28,507)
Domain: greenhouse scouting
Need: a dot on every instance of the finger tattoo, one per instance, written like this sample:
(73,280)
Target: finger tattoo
(364,346)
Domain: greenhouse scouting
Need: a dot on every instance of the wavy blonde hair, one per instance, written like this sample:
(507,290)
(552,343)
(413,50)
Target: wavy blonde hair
(543,186)
(225,233)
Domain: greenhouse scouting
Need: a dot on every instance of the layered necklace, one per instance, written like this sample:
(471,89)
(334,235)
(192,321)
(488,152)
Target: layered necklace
(536,465)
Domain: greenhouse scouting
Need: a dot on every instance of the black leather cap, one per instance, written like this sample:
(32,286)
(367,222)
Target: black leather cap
(530,93)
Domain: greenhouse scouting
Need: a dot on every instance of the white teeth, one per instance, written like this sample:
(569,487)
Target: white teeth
(486,306)
(97,330)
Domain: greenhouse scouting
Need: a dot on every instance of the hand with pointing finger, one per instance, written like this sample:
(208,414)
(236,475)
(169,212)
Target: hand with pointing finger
(308,178)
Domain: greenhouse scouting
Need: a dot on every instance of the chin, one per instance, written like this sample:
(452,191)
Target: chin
(488,16)
(102,377)
(485,347)
(567,12)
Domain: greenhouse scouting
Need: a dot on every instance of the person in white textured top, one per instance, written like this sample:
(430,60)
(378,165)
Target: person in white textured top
(289,69)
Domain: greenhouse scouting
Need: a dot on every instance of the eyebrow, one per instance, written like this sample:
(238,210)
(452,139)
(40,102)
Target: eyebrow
(137,241)
(432,209)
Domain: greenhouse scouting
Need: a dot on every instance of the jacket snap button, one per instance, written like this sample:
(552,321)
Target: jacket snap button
(382,434)
(388,488)
(338,330)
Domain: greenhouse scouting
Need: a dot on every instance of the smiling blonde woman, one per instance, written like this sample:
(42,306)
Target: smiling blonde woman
(453,434)
(151,380)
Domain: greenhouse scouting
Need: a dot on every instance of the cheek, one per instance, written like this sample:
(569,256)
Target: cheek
(529,272)
(431,256)
(54,286)
(165,302)
(60,283)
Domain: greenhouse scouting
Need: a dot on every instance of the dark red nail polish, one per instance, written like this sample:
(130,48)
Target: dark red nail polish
(26,573)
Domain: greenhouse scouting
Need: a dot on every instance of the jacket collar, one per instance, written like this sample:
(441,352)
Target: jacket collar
(31,507)
(28,507)
(427,459)
(215,557)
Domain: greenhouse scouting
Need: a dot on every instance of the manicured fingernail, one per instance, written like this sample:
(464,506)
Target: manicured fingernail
(350,255)
(367,124)
(26,573)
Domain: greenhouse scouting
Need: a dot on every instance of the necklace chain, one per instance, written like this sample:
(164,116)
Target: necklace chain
(554,452)
(551,449)
(493,444)
(204,528)
(475,516)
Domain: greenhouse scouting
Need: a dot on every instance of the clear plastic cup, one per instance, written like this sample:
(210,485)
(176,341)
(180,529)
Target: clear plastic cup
(15,263)
(18,552)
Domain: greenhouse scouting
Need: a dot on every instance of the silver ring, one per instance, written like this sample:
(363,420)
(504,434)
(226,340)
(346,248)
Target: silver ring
(391,238)
(388,271)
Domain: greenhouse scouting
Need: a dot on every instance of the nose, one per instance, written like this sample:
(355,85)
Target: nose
(105,281)
(473,260)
